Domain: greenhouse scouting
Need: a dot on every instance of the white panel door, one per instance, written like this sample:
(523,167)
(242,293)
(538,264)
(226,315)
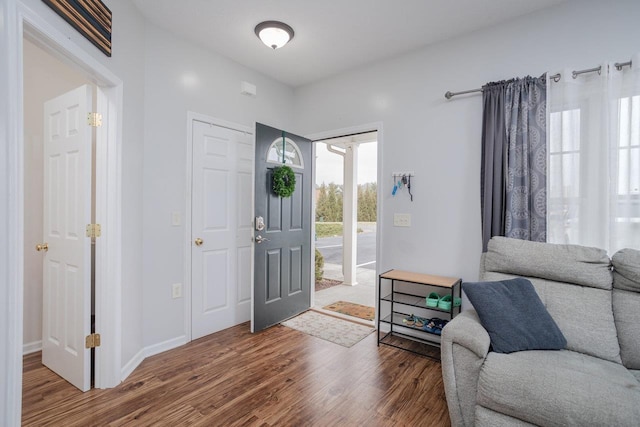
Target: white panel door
(67,211)
(221,228)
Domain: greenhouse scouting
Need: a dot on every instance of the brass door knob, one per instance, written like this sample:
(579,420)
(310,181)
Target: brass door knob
(42,247)
(199,242)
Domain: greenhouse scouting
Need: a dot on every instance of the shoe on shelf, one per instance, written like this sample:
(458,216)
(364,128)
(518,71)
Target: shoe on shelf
(445,303)
(457,301)
(415,321)
(410,320)
(432,299)
(420,322)
(435,325)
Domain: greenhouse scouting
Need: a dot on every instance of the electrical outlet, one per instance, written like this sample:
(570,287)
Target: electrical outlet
(176,290)
(402,220)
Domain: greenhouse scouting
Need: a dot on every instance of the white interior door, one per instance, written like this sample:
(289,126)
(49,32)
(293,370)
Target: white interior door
(221,228)
(67,262)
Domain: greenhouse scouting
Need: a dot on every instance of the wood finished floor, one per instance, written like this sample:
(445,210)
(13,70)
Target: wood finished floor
(234,378)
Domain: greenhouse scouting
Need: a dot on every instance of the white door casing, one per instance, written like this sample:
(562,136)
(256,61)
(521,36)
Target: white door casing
(221,209)
(67,211)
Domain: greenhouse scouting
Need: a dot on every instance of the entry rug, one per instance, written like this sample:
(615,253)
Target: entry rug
(351,309)
(338,331)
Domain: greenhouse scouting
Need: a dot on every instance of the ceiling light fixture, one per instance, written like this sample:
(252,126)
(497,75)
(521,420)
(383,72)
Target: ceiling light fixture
(274,34)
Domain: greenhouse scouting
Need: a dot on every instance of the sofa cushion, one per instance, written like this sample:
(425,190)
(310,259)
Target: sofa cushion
(562,263)
(635,373)
(626,312)
(559,388)
(583,314)
(626,270)
(513,315)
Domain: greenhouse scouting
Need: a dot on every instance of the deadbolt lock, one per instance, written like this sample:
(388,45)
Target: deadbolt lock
(198,241)
(259,223)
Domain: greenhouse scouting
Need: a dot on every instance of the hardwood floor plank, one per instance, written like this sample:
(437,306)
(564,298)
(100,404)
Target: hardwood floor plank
(234,378)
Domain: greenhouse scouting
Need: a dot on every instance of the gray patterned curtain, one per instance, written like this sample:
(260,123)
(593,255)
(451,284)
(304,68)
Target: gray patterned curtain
(514,156)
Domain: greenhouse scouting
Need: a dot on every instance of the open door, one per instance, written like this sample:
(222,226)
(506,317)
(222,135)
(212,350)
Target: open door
(66,247)
(282,242)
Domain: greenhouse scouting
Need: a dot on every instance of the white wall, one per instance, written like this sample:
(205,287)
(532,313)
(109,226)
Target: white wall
(128,63)
(45,77)
(179,78)
(439,139)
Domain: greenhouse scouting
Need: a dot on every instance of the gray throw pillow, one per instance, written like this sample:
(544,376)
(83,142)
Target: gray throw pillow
(514,316)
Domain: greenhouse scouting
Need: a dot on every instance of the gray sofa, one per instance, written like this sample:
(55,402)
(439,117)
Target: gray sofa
(595,381)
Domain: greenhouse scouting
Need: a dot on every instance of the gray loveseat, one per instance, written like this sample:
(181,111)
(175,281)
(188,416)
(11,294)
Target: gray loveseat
(595,381)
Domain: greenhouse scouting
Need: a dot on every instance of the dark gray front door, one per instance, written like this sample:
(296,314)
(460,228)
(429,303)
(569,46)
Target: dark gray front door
(282,249)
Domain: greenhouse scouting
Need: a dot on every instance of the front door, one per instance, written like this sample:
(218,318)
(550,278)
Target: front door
(221,228)
(67,253)
(282,229)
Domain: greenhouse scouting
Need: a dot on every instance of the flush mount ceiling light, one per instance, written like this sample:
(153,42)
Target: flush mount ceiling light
(274,34)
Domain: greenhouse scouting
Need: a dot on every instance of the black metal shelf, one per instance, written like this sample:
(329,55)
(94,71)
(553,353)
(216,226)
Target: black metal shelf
(408,337)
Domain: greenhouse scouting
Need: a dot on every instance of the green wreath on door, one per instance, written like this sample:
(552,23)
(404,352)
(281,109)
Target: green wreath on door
(284,181)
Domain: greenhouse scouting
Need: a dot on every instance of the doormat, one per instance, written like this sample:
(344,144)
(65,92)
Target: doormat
(351,309)
(329,328)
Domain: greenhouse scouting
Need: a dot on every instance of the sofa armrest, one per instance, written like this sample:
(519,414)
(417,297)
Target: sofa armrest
(467,331)
(464,346)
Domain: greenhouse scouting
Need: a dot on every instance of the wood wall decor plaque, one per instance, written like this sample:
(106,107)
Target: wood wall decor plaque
(90,17)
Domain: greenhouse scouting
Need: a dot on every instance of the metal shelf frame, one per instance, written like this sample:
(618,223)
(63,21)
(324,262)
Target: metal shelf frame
(399,300)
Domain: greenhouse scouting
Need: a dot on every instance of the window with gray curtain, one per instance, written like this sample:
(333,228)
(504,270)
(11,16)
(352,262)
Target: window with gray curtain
(514,160)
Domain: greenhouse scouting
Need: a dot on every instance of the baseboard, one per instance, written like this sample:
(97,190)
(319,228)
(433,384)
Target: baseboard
(132,364)
(154,349)
(149,351)
(31,347)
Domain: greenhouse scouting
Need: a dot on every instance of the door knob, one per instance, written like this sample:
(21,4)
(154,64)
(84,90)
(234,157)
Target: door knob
(42,247)
(260,239)
(199,242)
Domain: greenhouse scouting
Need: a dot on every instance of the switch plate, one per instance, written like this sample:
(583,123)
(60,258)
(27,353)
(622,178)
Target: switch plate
(176,290)
(175,219)
(402,220)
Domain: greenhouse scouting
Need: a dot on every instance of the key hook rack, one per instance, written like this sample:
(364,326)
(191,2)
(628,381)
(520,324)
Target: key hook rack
(402,180)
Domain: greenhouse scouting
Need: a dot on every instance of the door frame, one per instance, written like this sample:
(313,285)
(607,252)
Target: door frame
(369,127)
(20,21)
(187,288)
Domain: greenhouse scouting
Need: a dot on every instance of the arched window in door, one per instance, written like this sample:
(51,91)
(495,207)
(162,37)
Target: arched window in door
(284,151)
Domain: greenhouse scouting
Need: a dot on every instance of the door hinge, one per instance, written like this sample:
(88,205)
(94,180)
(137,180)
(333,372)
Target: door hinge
(92,341)
(94,230)
(94,119)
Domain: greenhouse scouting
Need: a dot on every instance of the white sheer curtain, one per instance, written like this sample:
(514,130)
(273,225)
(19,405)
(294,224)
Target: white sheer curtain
(594,158)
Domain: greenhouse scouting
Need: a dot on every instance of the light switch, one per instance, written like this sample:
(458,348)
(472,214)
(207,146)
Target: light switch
(402,220)
(176,219)
(176,290)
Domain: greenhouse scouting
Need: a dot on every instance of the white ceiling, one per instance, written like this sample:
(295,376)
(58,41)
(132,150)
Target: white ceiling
(331,36)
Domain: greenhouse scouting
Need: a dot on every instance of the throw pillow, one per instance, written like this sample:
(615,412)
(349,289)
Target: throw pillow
(514,316)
